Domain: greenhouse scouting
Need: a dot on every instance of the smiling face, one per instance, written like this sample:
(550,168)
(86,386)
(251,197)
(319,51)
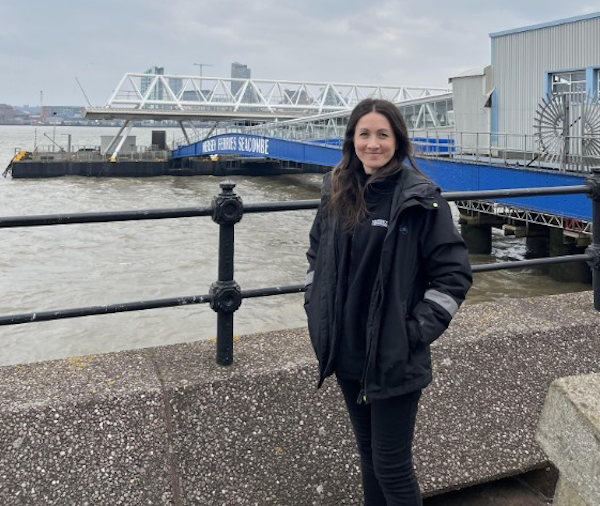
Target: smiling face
(374,141)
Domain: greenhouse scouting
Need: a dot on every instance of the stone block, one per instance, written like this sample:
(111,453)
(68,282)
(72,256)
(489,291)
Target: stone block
(85,431)
(566,495)
(569,433)
(258,432)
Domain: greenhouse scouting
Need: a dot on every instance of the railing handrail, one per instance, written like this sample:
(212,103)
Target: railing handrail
(485,142)
(289,205)
(225,295)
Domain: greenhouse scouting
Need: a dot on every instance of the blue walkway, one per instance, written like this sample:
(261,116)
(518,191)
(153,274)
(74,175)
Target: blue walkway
(454,176)
(264,147)
(449,175)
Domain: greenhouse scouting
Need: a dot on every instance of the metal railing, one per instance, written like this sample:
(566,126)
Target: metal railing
(48,153)
(227,209)
(573,153)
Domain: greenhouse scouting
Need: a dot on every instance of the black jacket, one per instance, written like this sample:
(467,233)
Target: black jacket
(424,275)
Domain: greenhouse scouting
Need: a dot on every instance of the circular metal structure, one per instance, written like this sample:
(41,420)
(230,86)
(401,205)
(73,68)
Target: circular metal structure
(567,128)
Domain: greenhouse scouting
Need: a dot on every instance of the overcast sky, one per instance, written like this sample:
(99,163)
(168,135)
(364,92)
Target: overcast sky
(46,44)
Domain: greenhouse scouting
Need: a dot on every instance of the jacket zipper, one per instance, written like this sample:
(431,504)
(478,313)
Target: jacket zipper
(362,395)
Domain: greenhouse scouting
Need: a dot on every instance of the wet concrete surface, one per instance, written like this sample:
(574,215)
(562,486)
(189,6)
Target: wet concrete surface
(531,489)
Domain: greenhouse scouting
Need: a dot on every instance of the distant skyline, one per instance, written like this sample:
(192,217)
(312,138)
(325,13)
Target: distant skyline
(45,45)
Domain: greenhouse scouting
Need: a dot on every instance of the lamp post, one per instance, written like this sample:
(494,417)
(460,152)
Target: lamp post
(68,142)
(201,66)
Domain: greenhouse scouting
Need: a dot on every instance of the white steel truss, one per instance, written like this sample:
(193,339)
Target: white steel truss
(333,125)
(569,225)
(315,127)
(182,93)
(330,125)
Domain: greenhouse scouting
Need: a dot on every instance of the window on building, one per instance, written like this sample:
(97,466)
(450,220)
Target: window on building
(441,112)
(410,116)
(428,115)
(568,82)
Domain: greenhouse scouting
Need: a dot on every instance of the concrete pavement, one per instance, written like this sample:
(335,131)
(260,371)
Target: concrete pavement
(531,489)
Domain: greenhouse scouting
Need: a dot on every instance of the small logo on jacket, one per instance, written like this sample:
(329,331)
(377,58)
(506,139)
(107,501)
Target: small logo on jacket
(380,223)
(403,229)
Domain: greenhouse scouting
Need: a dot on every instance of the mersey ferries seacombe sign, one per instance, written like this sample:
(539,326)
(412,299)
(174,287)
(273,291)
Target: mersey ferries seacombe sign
(242,144)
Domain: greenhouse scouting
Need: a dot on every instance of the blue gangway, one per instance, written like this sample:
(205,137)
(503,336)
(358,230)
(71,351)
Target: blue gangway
(255,146)
(449,175)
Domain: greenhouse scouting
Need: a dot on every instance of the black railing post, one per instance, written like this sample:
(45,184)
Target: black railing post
(226,294)
(593,250)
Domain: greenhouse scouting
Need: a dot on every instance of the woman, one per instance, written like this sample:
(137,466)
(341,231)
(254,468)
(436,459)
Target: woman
(387,272)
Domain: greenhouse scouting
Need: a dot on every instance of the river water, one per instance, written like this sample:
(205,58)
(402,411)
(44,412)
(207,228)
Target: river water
(60,267)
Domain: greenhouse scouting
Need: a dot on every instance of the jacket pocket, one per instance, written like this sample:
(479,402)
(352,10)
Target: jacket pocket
(393,352)
(413,333)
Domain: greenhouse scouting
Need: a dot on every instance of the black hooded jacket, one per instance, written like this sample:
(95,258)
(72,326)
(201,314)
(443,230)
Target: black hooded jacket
(423,277)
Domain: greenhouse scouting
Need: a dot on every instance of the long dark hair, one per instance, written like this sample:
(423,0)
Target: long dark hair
(347,196)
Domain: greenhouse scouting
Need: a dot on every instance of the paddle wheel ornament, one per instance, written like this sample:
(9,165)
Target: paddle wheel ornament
(567,127)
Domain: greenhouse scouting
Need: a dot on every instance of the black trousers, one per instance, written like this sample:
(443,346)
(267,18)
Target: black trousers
(384,432)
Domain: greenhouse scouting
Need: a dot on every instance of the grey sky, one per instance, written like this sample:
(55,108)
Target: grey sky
(45,44)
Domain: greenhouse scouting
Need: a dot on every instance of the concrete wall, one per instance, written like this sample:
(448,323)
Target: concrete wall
(166,426)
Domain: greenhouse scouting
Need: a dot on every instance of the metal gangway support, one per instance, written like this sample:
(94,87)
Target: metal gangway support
(274,96)
(141,96)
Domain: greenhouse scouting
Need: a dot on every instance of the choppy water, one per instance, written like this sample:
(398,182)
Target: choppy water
(59,267)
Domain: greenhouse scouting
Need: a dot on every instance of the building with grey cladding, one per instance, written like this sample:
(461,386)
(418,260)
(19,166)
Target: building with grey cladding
(530,63)
(527,65)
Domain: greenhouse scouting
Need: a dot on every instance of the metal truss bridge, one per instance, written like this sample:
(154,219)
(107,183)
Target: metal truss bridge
(433,111)
(195,97)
